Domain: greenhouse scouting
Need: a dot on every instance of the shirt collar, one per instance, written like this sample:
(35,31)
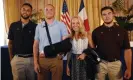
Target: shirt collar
(114,25)
(22,23)
(50,25)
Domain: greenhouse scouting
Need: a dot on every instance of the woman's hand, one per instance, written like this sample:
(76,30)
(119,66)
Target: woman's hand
(82,56)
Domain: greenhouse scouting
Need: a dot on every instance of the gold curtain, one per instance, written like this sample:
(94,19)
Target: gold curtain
(12,9)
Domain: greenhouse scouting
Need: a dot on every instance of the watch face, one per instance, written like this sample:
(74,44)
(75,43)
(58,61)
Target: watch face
(131,43)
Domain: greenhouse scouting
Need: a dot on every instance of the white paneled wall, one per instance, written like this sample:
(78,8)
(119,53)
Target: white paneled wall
(2,24)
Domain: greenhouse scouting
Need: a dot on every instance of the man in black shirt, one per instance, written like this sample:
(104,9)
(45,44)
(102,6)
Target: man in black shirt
(109,39)
(21,38)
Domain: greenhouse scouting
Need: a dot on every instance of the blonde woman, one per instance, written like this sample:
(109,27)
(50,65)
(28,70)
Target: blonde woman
(76,59)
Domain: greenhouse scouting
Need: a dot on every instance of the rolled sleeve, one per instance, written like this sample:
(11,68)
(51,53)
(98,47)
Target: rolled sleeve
(10,33)
(126,44)
(37,33)
(64,31)
(94,38)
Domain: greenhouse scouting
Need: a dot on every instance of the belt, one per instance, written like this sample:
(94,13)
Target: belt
(58,56)
(112,60)
(43,56)
(24,55)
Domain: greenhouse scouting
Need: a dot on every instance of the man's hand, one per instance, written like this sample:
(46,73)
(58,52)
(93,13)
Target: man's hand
(10,45)
(36,56)
(128,60)
(127,74)
(68,71)
(82,56)
(37,68)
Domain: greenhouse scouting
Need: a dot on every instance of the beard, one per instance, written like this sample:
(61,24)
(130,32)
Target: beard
(25,17)
(108,22)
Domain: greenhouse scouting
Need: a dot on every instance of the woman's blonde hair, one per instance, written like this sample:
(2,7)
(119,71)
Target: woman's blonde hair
(82,33)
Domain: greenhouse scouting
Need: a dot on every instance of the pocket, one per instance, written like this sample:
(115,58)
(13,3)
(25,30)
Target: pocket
(119,63)
(31,61)
(41,61)
(100,36)
(30,33)
(13,61)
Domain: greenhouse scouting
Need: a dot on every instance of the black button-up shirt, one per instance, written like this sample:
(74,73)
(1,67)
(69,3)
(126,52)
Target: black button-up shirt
(110,41)
(22,37)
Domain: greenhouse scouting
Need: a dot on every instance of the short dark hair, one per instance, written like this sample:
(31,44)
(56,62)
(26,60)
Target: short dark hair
(27,4)
(107,7)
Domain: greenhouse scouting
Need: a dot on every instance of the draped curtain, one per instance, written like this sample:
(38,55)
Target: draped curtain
(125,3)
(12,9)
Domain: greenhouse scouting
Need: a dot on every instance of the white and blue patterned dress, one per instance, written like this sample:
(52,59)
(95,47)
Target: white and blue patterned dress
(77,67)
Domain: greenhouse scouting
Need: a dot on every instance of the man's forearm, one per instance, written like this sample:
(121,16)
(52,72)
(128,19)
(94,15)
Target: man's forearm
(128,58)
(35,52)
(35,56)
(10,50)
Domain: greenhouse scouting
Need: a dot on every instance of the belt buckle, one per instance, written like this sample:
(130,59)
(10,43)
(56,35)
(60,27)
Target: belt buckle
(24,56)
(113,60)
